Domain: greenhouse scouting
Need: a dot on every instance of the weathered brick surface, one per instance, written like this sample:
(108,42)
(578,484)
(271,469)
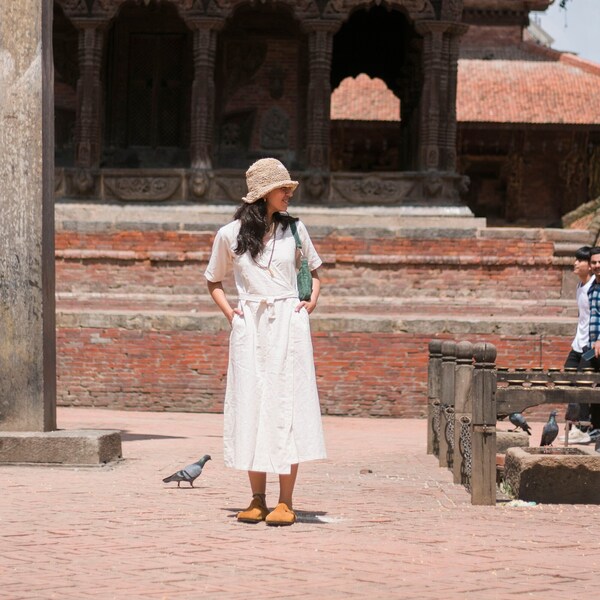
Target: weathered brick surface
(359,374)
(138,331)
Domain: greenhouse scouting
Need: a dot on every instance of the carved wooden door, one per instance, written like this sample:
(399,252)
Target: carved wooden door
(154,93)
(148,89)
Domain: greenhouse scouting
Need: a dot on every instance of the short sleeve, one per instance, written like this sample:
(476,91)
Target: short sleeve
(314,260)
(220,259)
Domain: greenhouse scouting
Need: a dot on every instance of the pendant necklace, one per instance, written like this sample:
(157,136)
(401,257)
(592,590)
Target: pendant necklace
(268,267)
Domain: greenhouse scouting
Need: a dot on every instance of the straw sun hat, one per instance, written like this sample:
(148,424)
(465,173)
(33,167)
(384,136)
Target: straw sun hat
(264,176)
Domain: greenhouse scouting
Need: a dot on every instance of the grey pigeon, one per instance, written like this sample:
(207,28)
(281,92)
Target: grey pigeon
(518,420)
(550,430)
(188,473)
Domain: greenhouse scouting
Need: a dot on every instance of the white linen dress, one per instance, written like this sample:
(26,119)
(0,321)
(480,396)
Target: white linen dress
(272,414)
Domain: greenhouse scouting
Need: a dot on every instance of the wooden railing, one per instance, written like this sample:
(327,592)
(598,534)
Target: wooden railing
(467,393)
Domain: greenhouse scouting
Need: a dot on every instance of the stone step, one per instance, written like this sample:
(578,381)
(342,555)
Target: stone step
(422,305)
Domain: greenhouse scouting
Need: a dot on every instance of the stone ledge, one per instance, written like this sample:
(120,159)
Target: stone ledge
(553,475)
(74,447)
(419,324)
(510,439)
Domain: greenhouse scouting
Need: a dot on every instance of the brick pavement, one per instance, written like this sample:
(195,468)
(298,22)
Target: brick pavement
(401,531)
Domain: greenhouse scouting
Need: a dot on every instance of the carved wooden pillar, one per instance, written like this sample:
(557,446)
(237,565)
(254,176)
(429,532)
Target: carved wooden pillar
(320,44)
(203,90)
(88,119)
(431,102)
(437,139)
(448,132)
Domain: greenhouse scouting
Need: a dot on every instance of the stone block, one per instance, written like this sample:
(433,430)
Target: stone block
(511,439)
(73,447)
(553,475)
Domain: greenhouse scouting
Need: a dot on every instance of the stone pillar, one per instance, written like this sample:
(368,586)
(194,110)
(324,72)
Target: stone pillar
(320,45)
(203,90)
(462,409)
(89,117)
(447,402)
(433,397)
(27,319)
(483,438)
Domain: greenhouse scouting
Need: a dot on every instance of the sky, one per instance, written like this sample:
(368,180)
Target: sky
(575,28)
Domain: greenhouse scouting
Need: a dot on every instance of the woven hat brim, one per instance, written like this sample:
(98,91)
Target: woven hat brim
(255,195)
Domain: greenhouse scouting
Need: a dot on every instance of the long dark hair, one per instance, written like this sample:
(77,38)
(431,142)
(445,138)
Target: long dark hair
(253,228)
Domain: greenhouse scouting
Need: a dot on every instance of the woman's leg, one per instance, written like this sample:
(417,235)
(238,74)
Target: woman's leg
(286,486)
(257,510)
(258,482)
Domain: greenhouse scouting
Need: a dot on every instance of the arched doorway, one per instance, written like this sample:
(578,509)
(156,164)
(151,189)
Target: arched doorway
(381,43)
(148,76)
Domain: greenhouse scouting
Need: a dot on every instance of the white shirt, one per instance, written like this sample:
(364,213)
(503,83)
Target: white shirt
(582,337)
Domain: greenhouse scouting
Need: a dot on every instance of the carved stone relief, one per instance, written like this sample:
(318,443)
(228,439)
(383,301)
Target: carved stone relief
(233,187)
(142,188)
(372,189)
(274,132)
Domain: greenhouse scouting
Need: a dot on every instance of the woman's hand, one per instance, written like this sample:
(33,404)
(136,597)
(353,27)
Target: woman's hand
(311,304)
(231,315)
(308,305)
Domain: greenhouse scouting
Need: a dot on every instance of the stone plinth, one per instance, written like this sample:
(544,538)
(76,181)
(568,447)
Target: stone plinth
(510,439)
(553,475)
(74,447)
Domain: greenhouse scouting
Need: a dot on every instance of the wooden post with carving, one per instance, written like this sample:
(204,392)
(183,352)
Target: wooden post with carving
(463,380)
(446,401)
(433,396)
(483,437)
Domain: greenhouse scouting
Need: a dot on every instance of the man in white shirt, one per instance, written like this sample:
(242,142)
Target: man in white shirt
(581,341)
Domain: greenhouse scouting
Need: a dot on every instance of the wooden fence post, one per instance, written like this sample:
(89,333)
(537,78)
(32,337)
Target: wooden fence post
(433,396)
(483,438)
(462,405)
(446,402)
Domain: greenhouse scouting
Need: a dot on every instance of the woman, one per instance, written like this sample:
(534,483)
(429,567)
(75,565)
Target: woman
(272,412)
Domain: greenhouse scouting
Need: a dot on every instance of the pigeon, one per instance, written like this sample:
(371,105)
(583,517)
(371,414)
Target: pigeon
(550,430)
(518,420)
(188,473)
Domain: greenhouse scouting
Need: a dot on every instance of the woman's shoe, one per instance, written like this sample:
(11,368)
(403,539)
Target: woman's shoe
(282,514)
(256,512)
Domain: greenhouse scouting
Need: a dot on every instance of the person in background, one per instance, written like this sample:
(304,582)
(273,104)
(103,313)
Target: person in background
(581,341)
(594,298)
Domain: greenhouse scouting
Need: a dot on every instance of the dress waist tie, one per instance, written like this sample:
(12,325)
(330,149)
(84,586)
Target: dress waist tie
(268,300)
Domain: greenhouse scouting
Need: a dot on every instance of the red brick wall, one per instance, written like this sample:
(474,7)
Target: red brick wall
(173,262)
(359,374)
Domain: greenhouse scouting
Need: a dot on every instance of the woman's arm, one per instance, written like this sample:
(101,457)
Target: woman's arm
(311,304)
(215,289)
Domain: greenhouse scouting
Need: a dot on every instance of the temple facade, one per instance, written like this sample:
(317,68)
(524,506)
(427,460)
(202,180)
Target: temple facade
(171,100)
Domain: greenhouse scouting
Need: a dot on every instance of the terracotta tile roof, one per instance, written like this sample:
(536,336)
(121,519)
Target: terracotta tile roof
(528,91)
(522,84)
(364,99)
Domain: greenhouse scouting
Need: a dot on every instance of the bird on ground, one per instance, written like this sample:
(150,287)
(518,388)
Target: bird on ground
(518,420)
(189,473)
(550,430)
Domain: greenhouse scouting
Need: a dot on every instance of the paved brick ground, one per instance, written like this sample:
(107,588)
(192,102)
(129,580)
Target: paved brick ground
(401,531)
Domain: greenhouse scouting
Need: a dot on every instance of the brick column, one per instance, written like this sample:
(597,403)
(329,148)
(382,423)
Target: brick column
(27,319)
(320,45)
(88,119)
(203,90)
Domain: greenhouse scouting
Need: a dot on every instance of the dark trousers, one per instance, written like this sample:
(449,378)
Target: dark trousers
(587,412)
